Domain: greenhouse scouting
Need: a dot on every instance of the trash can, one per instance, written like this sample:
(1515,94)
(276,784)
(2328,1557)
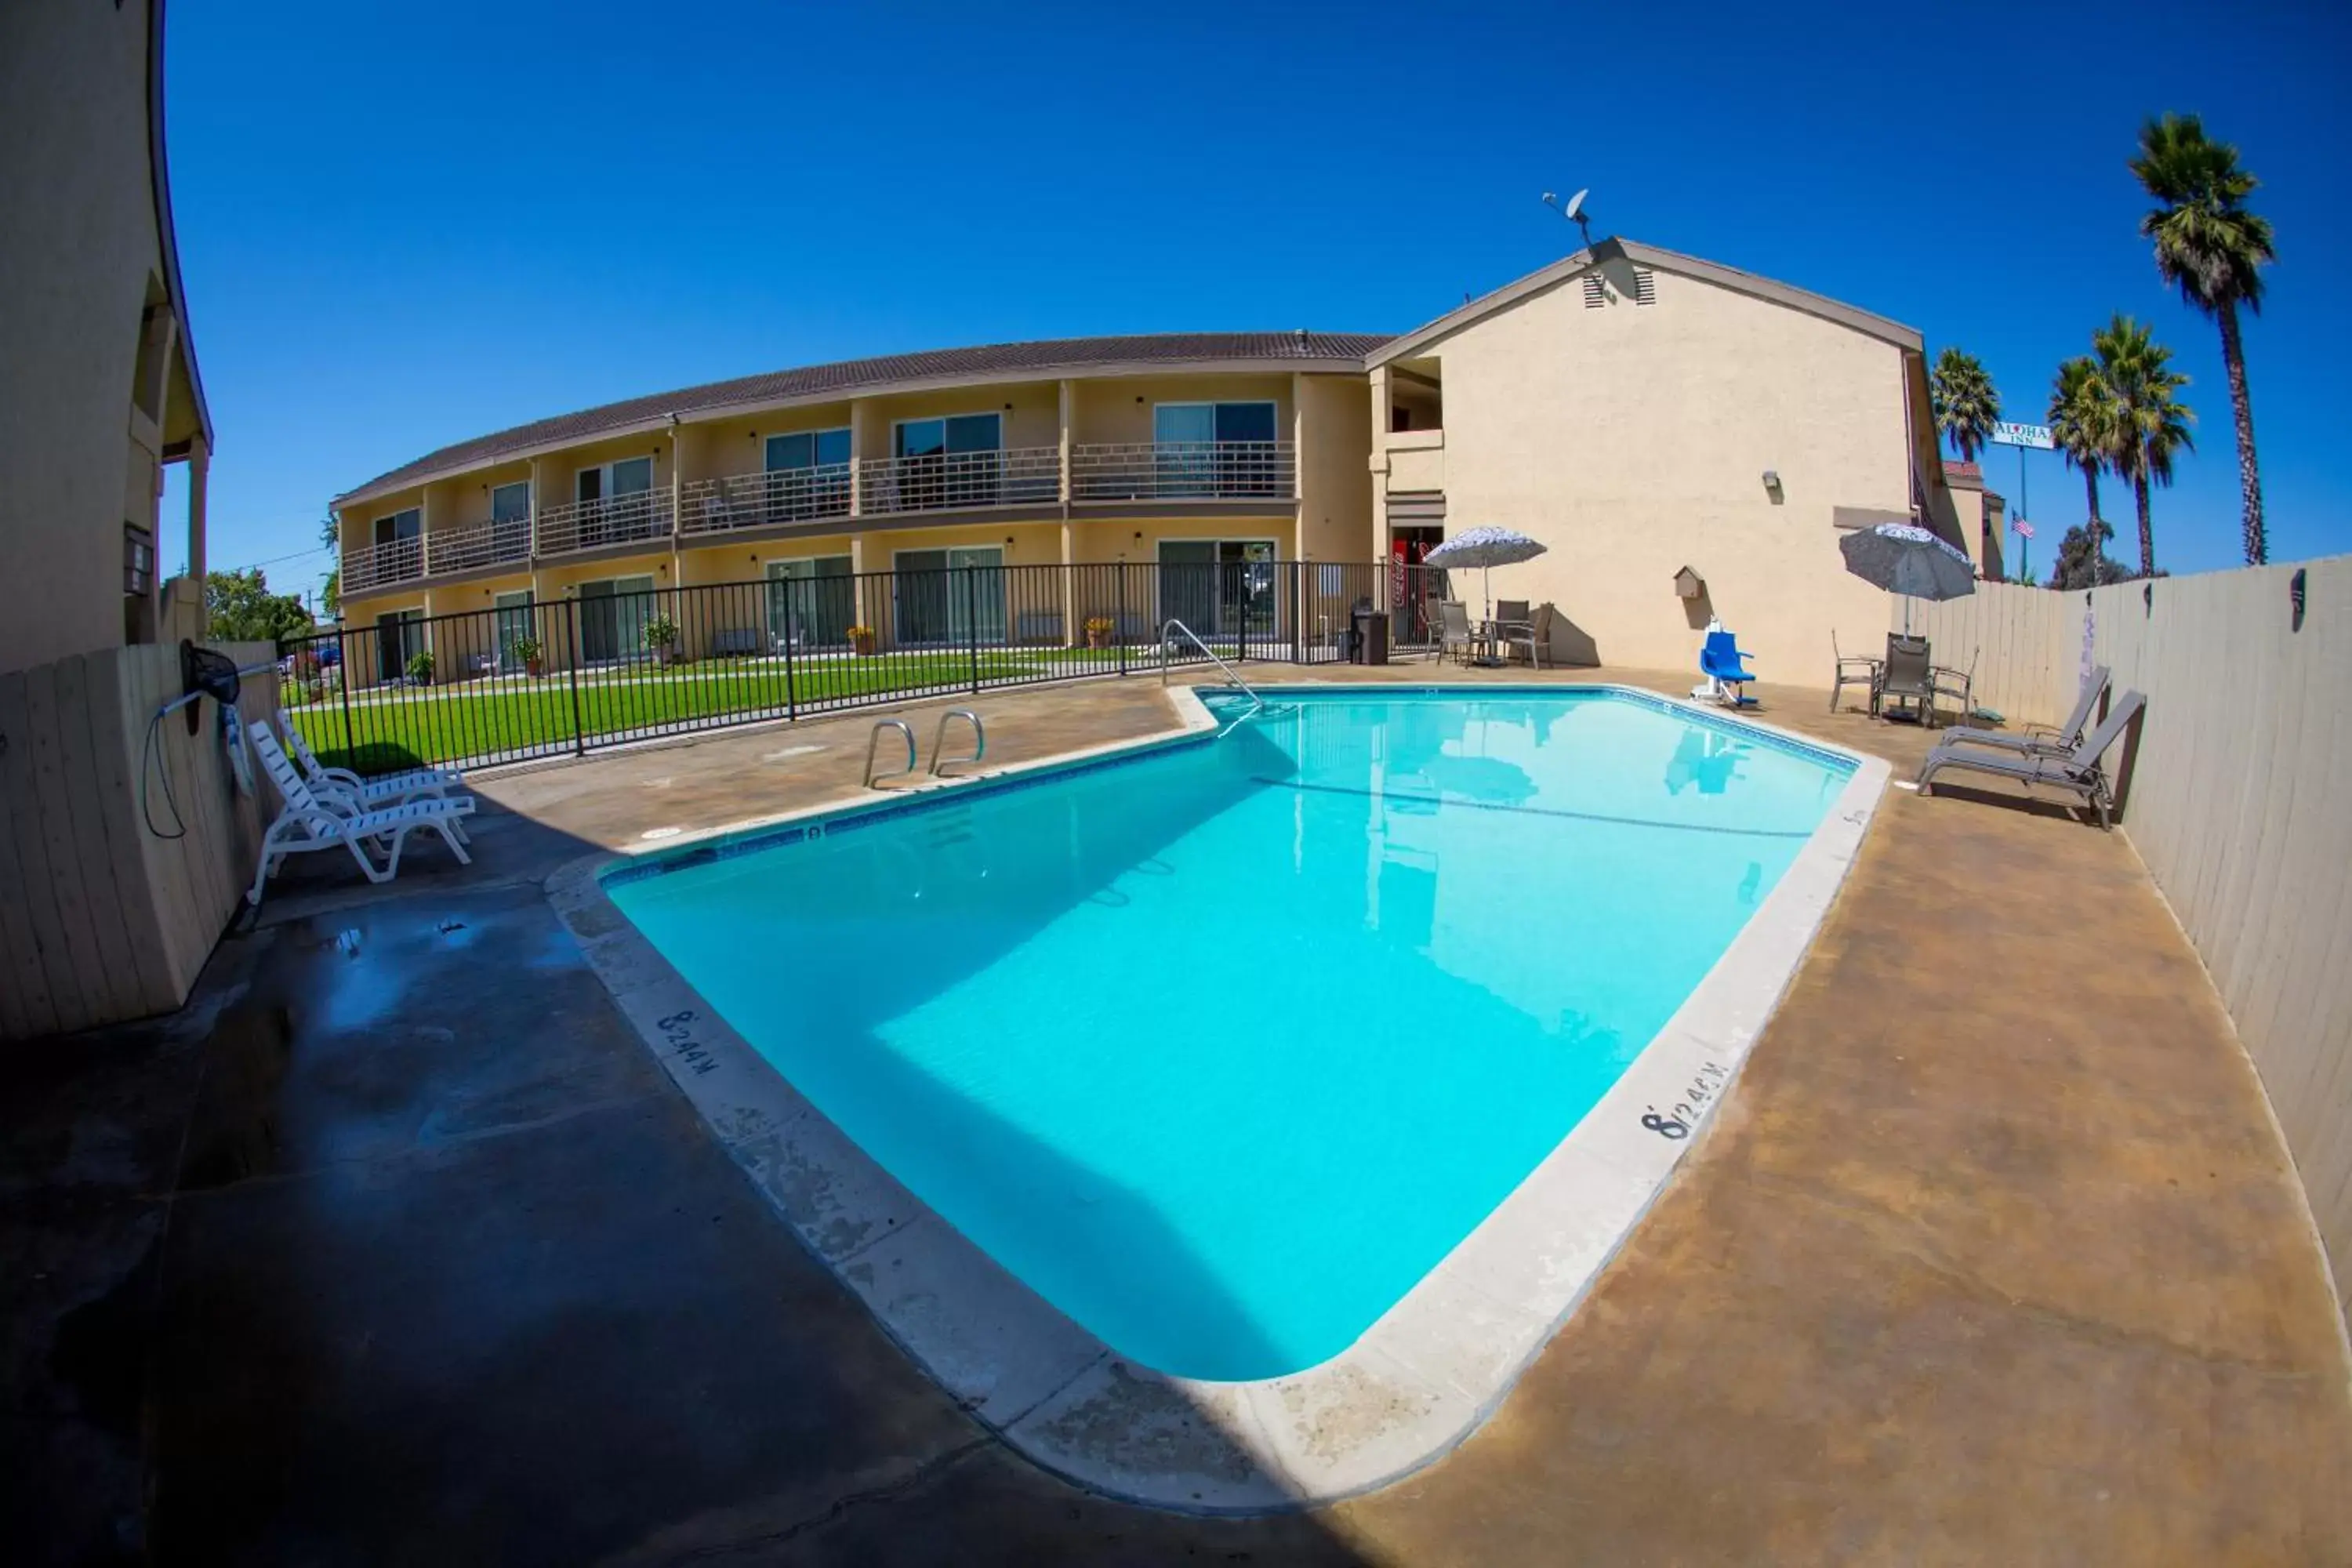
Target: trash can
(1368,636)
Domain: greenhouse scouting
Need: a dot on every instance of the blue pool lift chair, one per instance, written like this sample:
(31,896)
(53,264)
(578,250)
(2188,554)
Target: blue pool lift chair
(1720,660)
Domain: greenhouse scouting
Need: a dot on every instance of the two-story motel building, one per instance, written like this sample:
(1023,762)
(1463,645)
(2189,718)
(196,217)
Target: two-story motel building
(1640,411)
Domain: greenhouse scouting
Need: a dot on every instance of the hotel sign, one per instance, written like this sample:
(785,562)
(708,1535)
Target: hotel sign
(2007,435)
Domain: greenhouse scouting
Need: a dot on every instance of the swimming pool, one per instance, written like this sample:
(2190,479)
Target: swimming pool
(1221,1047)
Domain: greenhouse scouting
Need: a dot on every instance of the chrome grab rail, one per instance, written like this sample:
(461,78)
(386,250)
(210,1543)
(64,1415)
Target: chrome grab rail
(938,740)
(1233,676)
(874,739)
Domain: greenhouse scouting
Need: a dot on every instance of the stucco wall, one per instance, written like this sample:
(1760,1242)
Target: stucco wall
(1633,440)
(78,258)
(1335,482)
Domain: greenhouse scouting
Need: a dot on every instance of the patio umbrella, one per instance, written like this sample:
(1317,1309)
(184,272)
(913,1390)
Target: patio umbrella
(1486,548)
(1904,558)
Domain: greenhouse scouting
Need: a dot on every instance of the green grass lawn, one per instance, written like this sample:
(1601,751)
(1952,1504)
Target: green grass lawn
(398,728)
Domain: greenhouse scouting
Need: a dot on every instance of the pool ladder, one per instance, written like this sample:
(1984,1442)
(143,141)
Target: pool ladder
(940,762)
(1168,634)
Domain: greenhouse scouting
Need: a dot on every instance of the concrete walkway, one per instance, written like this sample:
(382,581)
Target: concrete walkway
(396,1246)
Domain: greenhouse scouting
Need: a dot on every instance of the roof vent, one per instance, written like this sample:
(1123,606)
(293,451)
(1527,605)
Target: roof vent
(1301,336)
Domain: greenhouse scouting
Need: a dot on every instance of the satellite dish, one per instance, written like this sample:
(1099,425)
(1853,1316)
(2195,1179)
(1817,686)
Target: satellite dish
(1574,211)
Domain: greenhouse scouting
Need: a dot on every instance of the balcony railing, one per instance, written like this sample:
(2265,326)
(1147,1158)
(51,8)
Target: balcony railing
(939,482)
(595,524)
(378,565)
(1184,471)
(952,481)
(763,501)
(478,545)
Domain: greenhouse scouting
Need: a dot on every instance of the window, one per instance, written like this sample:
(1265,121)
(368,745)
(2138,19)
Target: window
(511,504)
(808,449)
(956,433)
(393,527)
(808,474)
(1215,449)
(626,476)
(949,461)
(137,559)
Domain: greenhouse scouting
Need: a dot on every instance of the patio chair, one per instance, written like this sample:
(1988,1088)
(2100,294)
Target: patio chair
(2078,772)
(2040,740)
(1454,630)
(416,783)
(1720,660)
(310,822)
(1907,676)
(1854,669)
(1959,685)
(1534,634)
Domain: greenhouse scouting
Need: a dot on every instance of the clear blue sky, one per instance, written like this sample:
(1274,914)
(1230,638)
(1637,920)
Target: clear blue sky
(406,225)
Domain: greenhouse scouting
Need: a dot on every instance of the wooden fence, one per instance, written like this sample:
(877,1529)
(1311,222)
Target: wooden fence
(2239,803)
(124,843)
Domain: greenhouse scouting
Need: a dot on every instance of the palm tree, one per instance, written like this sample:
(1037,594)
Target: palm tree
(2213,249)
(1966,404)
(2150,422)
(2083,417)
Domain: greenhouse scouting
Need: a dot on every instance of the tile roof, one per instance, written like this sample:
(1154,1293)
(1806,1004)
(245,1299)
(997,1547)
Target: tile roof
(848,377)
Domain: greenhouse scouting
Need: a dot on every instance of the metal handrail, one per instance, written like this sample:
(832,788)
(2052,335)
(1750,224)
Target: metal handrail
(939,739)
(874,739)
(1233,676)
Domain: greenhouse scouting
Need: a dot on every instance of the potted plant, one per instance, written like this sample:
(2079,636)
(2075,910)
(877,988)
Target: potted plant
(661,635)
(1099,628)
(533,655)
(420,667)
(861,640)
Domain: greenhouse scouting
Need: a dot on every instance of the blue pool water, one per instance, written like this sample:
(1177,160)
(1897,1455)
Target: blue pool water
(1222,1049)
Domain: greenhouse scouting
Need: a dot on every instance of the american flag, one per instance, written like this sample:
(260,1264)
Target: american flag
(2020,527)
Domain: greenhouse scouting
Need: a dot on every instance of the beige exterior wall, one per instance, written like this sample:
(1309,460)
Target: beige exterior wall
(92,400)
(1634,440)
(1982,517)
(1032,413)
(1095,541)
(1115,410)
(1334,481)
(722,448)
(2232,797)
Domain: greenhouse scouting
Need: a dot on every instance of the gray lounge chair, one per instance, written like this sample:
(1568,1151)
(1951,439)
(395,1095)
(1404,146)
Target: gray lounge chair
(2040,740)
(1907,676)
(2079,772)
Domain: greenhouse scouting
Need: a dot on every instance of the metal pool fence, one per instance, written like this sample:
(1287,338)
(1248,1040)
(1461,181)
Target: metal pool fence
(566,676)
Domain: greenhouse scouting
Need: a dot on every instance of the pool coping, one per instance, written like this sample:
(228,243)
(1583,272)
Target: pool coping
(1426,1373)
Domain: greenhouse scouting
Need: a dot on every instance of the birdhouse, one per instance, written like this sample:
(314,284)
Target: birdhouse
(1689,584)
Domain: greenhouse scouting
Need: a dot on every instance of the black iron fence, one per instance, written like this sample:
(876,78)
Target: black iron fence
(564,676)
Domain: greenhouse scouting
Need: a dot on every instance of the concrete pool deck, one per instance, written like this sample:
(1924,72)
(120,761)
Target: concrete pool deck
(396,1243)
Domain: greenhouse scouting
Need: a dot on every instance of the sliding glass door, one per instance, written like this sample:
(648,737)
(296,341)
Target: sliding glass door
(1215,449)
(1219,587)
(954,460)
(614,611)
(811,601)
(950,596)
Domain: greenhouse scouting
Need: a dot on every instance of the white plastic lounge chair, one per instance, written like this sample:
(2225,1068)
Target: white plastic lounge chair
(2078,772)
(313,822)
(416,783)
(2040,740)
